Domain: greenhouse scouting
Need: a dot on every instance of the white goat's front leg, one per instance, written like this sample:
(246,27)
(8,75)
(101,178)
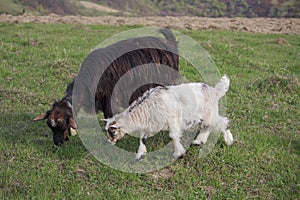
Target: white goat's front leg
(179,149)
(202,137)
(142,148)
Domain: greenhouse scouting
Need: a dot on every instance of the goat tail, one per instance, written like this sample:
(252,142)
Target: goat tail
(222,86)
(171,40)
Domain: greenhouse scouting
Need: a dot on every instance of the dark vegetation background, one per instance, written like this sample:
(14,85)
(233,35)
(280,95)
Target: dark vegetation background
(202,8)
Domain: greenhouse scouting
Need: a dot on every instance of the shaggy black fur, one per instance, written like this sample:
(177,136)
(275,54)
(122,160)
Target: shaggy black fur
(96,82)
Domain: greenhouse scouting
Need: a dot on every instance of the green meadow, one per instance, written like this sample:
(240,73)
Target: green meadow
(37,61)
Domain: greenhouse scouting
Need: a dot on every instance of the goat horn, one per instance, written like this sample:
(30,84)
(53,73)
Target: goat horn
(69,104)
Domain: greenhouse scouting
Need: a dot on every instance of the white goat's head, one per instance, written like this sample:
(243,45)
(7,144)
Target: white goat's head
(114,132)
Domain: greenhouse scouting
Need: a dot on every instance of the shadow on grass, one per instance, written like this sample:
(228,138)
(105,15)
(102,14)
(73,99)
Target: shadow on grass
(20,133)
(296,146)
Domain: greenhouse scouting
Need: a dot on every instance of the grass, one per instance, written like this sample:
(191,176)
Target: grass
(10,7)
(39,60)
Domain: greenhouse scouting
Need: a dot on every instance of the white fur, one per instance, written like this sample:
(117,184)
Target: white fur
(175,108)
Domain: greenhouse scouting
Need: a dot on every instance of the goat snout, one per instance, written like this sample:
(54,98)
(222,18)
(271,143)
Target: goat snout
(112,140)
(59,137)
(53,123)
(58,143)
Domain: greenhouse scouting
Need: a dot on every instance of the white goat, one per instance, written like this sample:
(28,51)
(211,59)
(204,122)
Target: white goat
(173,108)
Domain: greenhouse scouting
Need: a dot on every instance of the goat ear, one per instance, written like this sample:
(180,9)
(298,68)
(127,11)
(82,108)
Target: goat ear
(108,120)
(113,126)
(42,117)
(72,123)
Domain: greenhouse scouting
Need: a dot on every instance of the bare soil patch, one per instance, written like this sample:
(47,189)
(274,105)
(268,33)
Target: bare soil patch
(95,6)
(163,173)
(254,25)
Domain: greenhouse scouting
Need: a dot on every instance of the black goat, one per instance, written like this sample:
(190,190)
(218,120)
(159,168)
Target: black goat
(138,51)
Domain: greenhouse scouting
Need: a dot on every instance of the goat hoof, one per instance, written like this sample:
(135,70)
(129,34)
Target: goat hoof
(196,143)
(229,142)
(176,156)
(139,157)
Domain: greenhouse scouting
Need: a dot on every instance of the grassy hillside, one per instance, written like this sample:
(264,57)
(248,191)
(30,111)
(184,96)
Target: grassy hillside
(204,8)
(39,60)
(210,8)
(9,6)
(43,7)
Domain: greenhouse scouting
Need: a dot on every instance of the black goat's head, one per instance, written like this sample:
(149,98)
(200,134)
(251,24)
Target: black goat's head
(60,120)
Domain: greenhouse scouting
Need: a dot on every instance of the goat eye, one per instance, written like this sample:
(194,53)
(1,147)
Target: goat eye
(111,132)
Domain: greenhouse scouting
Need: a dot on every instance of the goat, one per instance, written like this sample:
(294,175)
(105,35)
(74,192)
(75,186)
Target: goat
(175,108)
(143,50)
